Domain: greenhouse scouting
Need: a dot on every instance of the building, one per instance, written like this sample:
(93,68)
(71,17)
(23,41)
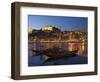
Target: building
(30,30)
(48,28)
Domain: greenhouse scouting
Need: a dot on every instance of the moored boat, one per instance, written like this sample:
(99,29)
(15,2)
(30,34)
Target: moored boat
(58,53)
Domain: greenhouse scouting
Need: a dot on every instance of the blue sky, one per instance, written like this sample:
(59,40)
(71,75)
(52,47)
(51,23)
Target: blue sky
(62,22)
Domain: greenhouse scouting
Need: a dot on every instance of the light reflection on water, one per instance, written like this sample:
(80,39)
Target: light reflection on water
(81,47)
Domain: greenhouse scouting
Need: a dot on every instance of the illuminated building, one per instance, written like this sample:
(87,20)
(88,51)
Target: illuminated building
(48,28)
(30,30)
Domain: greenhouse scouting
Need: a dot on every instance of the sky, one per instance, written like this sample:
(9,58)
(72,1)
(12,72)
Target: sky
(61,22)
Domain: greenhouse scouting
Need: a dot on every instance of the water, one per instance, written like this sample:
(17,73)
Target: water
(37,60)
(81,47)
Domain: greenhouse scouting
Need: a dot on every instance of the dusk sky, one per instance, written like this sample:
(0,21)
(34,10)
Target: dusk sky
(62,22)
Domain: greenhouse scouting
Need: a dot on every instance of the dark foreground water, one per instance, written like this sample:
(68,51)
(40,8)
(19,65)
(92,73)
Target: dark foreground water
(39,61)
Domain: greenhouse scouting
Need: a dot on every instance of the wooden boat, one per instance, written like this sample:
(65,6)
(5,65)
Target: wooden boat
(57,53)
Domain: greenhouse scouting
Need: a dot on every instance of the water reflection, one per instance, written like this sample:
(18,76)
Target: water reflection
(69,46)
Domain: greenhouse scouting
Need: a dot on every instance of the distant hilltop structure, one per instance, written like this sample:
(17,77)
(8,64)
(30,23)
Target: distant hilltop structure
(49,28)
(30,30)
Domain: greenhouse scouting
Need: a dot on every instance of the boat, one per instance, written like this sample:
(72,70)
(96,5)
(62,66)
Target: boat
(59,53)
(56,53)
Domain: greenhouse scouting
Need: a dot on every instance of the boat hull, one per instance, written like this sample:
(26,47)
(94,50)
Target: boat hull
(61,54)
(57,53)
